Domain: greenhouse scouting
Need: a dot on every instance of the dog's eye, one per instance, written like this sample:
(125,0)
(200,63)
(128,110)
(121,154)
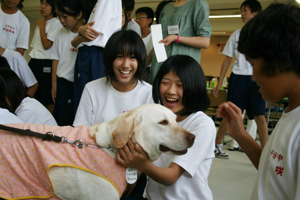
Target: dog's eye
(164,122)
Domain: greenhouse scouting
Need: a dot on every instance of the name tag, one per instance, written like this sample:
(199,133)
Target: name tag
(173,30)
(131,175)
(47,69)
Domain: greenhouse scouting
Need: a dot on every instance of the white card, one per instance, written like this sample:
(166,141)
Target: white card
(131,175)
(159,48)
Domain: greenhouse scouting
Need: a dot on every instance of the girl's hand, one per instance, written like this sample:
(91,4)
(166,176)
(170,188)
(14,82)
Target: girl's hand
(216,90)
(168,40)
(88,32)
(41,22)
(233,117)
(132,156)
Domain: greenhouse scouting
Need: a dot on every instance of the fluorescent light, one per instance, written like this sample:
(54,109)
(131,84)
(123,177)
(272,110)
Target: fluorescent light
(225,16)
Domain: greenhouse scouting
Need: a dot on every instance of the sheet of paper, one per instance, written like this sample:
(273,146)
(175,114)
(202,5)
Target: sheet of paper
(159,48)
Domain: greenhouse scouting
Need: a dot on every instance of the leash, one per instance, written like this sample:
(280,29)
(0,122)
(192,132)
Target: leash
(49,136)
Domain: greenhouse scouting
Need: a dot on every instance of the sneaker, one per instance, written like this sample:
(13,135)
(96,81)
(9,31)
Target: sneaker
(220,153)
(233,148)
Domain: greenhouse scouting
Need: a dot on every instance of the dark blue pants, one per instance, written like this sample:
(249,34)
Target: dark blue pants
(88,67)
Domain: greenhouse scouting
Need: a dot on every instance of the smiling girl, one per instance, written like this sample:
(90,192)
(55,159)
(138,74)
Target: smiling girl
(123,88)
(180,85)
(41,44)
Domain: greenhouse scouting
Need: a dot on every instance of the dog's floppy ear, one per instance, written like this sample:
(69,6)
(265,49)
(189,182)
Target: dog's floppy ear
(125,130)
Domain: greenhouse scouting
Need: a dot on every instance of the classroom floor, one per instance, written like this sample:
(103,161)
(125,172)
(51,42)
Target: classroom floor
(233,178)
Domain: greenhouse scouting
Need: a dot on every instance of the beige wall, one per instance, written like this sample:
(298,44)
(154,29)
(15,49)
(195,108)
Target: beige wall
(212,58)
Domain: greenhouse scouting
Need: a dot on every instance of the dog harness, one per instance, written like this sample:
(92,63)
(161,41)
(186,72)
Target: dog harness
(25,161)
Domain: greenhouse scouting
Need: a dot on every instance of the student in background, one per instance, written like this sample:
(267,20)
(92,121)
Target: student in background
(132,25)
(123,88)
(182,90)
(29,110)
(159,8)
(105,19)
(71,16)
(186,30)
(15,61)
(271,43)
(144,17)
(42,41)
(15,27)
(242,91)
(124,18)
(6,115)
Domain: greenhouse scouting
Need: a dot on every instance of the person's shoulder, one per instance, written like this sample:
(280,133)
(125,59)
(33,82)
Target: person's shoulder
(201,116)
(54,22)
(22,17)
(145,84)
(200,3)
(97,84)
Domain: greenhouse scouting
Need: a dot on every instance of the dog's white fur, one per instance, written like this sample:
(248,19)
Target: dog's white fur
(150,125)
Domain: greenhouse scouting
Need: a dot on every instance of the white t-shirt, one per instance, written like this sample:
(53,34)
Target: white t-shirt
(33,112)
(100,102)
(65,53)
(279,166)
(132,25)
(107,15)
(19,65)
(192,184)
(240,66)
(148,42)
(38,51)
(14,30)
(7,117)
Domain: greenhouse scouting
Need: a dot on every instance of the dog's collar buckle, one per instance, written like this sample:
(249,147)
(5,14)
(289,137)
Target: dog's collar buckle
(79,143)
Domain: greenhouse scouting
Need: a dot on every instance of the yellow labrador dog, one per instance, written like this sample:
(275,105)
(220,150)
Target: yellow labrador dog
(152,126)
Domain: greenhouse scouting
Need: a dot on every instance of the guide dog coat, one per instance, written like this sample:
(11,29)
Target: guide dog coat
(152,126)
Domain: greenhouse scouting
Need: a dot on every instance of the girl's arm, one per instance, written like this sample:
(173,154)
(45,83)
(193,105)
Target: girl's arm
(198,42)
(233,116)
(21,51)
(54,79)
(224,68)
(42,24)
(32,90)
(133,156)
(85,34)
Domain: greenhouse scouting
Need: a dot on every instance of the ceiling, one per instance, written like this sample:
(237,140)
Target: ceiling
(217,7)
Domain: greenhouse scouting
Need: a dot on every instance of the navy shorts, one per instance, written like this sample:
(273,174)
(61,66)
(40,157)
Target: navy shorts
(63,109)
(243,92)
(89,66)
(42,70)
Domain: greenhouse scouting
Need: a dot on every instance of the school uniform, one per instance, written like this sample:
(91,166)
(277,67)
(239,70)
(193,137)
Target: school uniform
(32,111)
(107,15)
(19,65)
(66,54)
(278,171)
(14,30)
(193,183)
(132,25)
(242,91)
(41,64)
(101,102)
(7,117)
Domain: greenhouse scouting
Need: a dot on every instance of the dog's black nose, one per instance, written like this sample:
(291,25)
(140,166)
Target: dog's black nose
(191,138)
